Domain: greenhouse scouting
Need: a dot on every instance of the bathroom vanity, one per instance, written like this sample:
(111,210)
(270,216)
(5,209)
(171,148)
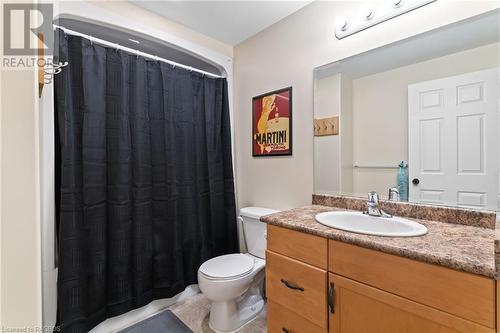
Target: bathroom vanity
(320,279)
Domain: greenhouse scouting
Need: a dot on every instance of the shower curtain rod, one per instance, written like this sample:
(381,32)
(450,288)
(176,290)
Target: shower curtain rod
(124,48)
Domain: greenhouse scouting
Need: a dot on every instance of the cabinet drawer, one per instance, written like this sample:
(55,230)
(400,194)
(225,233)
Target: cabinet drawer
(465,295)
(299,287)
(298,245)
(281,320)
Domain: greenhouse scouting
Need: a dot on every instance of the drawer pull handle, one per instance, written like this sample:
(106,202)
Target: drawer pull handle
(285,330)
(291,285)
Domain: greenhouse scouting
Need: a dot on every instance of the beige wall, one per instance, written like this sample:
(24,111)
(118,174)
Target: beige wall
(381,118)
(346,137)
(20,220)
(333,153)
(20,262)
(327,103)
(284,55)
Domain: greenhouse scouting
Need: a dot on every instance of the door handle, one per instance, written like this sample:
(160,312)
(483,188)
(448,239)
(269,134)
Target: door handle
(291,285)
(331,297)
(415,181)
(285,330)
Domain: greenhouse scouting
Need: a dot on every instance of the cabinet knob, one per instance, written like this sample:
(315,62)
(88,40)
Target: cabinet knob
(415,181)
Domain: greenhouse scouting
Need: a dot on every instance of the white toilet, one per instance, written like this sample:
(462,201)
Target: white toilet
(234,282)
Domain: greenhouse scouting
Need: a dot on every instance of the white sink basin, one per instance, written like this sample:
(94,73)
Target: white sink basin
(371,225)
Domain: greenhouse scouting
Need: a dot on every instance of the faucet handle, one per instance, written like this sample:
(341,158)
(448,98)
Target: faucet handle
(373,197)
(394,194)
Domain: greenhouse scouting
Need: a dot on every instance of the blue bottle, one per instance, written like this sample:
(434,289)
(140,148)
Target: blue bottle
(402,181)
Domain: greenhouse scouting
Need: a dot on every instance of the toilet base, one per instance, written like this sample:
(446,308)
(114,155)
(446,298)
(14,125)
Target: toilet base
(230,316)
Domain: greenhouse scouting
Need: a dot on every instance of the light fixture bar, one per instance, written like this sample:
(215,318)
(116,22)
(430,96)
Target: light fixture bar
(375,16)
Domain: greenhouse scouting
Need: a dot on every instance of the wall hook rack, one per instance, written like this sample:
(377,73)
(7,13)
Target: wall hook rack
(51,70)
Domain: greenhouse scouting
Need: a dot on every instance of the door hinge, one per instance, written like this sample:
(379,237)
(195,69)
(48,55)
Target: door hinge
(331,297)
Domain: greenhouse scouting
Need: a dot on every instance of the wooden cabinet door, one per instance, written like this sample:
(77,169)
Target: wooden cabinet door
(461,294)
(358,308)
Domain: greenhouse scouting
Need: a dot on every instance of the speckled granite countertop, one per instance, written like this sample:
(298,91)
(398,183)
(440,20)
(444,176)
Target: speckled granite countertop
(461,247)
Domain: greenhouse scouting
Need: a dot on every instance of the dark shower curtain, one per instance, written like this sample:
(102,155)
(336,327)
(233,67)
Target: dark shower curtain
(145,186)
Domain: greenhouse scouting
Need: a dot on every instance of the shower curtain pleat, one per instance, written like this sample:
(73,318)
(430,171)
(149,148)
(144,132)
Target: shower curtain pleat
(146,188)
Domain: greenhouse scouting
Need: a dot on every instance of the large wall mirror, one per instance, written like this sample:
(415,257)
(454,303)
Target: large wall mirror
(424,109)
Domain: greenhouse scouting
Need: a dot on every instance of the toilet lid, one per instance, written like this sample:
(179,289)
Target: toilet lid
(227,266)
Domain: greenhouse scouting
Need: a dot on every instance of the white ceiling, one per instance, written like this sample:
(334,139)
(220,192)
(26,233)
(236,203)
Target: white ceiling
(230,22)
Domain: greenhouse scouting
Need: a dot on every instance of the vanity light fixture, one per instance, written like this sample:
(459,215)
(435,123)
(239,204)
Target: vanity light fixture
(372,17)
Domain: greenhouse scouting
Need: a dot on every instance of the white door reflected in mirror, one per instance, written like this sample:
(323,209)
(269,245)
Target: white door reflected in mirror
(453,140)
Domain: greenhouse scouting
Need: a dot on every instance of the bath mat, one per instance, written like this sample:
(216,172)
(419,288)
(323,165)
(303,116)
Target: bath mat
(163,322)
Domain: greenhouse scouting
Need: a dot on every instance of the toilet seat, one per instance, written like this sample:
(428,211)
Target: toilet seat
(230,266)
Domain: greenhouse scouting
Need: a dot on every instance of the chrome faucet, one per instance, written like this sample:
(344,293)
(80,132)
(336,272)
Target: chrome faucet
(372,207)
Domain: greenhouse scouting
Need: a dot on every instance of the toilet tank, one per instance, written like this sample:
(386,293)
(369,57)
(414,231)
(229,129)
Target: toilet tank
(254,230)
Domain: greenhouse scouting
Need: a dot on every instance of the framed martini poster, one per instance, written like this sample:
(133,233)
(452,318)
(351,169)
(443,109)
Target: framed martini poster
(272,123)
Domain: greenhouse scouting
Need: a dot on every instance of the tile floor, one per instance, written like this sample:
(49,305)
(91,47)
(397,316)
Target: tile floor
(195,310)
